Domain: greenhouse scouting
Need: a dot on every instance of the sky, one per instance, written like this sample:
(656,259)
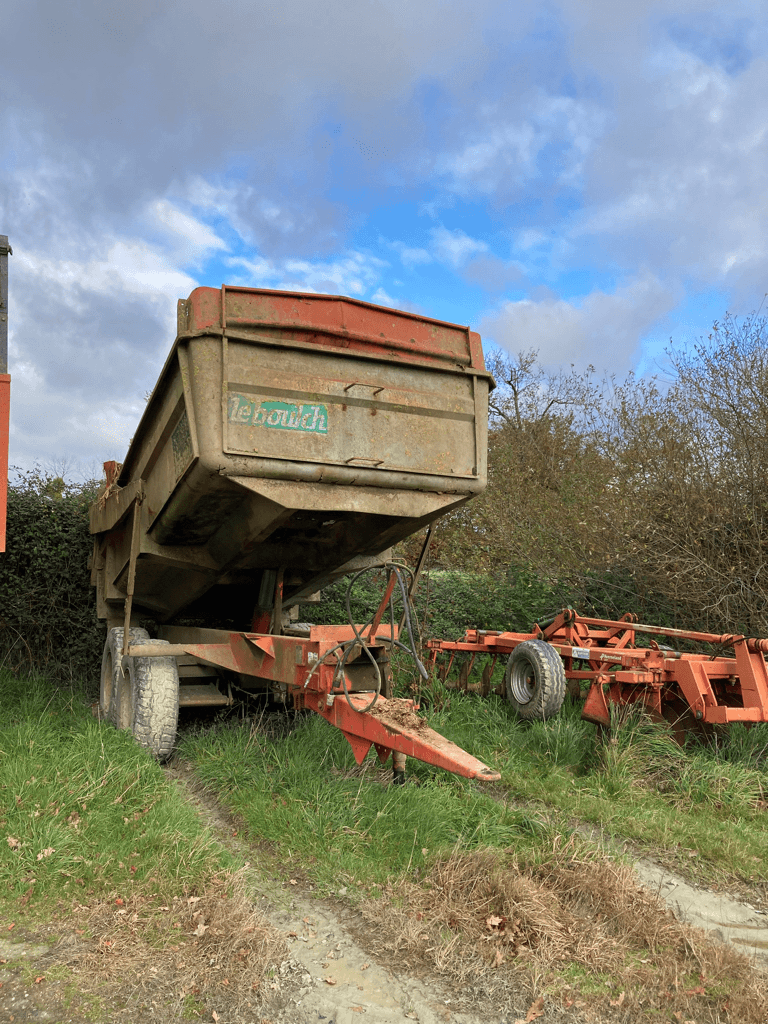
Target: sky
(585,178)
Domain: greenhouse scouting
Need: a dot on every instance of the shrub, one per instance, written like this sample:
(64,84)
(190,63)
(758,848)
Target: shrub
(47,610)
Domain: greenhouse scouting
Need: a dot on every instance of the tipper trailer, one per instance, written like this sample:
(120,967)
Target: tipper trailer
(291,439)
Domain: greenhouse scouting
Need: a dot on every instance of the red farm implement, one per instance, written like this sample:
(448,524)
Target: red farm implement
(623,663)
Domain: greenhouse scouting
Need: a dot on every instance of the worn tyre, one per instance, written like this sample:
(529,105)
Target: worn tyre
(146,701)
(535,680)
(110,665)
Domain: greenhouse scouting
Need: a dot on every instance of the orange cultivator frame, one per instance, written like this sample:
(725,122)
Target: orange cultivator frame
(729,683)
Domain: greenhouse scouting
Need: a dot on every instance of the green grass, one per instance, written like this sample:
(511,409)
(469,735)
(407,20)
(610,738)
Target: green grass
(698,804)
(339,830)
(85,812)
(638,783)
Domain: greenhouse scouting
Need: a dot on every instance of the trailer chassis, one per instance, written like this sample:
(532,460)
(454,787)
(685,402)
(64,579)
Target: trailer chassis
(342,673)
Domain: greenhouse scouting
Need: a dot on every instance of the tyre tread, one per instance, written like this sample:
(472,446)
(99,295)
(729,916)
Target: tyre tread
(153,687)
(549,675)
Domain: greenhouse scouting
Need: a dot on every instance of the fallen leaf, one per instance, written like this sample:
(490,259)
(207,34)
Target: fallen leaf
(192,900)
(200,930)
(13,843)
(39,978)
(498,960)
(618,1001)
(365,967)
(329,981)
(493,922)
(293,881)
(46,853)
(535,1010)
(215,1015)
(119,902)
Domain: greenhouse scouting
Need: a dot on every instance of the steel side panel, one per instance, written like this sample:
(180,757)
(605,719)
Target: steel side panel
(354,320)
(374,416)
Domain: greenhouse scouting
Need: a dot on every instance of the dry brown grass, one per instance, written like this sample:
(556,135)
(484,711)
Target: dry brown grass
(193,955)
(576,929)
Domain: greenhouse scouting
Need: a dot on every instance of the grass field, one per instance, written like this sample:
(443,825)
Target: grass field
(492,885)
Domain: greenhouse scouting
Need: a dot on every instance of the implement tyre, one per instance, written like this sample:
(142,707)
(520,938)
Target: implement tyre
(146,701)
(110,666)
(534,680)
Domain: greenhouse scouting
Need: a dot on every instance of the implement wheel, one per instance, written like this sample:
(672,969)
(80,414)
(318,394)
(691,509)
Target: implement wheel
(146,698)
(535,680)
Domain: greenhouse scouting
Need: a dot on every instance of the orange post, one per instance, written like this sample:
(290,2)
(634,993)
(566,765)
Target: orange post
(5,384)
(5,413)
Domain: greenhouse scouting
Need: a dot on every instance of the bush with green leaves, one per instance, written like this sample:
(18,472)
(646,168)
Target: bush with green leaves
(48,618)
(447,601)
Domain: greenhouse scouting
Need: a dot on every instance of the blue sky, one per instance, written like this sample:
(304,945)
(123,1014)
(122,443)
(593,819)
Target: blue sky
(587,179)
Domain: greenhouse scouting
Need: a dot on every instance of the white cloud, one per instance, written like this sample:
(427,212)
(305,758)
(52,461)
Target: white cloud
(502,148)
(192,240)
(411,257)
(602,329)
(455,247)
(354,274)
(381,298)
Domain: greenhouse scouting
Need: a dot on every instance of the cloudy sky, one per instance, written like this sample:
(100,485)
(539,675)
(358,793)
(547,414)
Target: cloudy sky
(583,177)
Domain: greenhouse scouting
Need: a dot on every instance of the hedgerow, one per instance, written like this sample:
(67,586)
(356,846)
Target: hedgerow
(48,618)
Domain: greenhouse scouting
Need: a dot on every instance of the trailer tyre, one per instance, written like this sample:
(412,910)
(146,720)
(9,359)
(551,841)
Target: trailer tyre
(535,681)
(147,702)
(110,665)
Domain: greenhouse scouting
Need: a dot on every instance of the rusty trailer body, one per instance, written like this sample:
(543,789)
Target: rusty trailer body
(724,684)
(291,439)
